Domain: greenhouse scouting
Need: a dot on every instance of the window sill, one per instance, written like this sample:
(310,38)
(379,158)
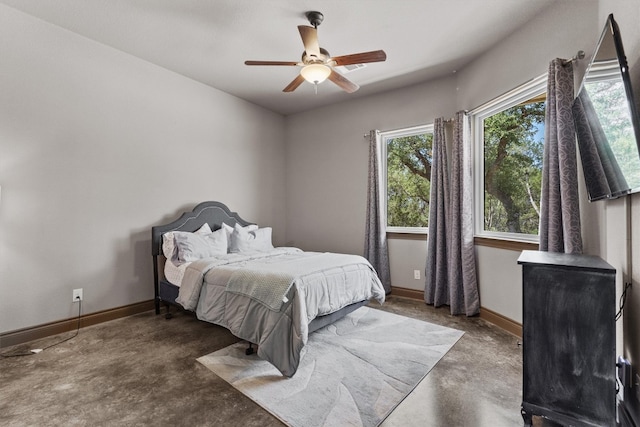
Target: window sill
(512,245)
(406,236)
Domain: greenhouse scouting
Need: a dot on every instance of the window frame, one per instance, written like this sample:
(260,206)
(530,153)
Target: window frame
(382,141)
(524,92)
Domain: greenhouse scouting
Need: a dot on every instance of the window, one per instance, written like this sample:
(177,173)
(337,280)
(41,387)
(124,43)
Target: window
(509,136)
(406,172)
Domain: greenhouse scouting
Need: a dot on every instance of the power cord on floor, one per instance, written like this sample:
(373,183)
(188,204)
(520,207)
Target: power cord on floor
(39,350)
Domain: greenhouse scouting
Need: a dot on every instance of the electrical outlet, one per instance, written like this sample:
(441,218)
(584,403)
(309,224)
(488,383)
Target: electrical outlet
(77,295)
(416,274)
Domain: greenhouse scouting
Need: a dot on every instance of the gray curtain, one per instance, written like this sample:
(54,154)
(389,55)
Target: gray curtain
(436,289)
(462,260)
(559,206)
(375,239)
(450,277)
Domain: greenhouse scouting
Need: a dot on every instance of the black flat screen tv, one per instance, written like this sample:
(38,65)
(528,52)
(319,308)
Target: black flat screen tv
(607,122)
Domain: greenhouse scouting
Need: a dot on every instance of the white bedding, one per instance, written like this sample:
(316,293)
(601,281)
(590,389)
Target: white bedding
(174,273)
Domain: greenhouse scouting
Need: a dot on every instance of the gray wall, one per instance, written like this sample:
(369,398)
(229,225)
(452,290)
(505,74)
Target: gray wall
(96,147)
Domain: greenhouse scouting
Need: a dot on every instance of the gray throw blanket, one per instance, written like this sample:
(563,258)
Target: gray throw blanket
(269,283)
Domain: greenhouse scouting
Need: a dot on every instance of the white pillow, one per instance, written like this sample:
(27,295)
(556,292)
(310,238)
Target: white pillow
(169,246)
(243,240)
(194,246)
(229,230)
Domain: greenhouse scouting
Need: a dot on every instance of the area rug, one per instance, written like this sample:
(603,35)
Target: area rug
(354,372)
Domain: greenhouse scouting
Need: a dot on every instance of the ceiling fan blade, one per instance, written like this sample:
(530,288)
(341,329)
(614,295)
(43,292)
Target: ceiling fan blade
(270,63)
(294,84)
(346,85)
(310,39)
(361,58)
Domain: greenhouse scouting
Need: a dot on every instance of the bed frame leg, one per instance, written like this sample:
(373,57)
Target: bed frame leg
(249,351)
(168,315)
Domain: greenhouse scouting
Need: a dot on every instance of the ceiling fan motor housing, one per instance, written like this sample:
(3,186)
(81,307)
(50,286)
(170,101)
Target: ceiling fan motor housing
(312,59)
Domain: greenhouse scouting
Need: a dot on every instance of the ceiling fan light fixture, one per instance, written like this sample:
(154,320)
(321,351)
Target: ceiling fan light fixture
(317,65)
(315,73)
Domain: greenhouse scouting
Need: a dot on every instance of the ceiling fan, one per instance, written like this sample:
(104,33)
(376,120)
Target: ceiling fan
(317,65)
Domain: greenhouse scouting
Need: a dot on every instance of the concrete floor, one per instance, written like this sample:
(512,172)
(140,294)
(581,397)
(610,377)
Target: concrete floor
(141,370)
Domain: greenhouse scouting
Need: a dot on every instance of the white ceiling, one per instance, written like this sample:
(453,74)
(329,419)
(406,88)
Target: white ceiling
(209,40)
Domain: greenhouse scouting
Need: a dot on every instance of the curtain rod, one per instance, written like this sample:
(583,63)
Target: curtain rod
(578,56)
(449,120)
(366,135)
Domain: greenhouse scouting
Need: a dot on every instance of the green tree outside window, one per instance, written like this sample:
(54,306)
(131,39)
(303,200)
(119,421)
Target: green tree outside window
(513,151)
(408,180)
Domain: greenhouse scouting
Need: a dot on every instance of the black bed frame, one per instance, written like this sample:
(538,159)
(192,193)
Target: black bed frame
(214,214)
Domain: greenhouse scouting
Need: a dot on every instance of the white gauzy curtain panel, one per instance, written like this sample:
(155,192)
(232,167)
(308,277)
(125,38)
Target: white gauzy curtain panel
(559,205)
(450,277)
(375,239)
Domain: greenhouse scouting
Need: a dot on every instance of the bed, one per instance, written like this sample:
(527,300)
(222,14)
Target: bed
(226,270)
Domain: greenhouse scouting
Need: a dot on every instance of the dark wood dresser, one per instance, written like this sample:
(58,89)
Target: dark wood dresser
(569,339)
